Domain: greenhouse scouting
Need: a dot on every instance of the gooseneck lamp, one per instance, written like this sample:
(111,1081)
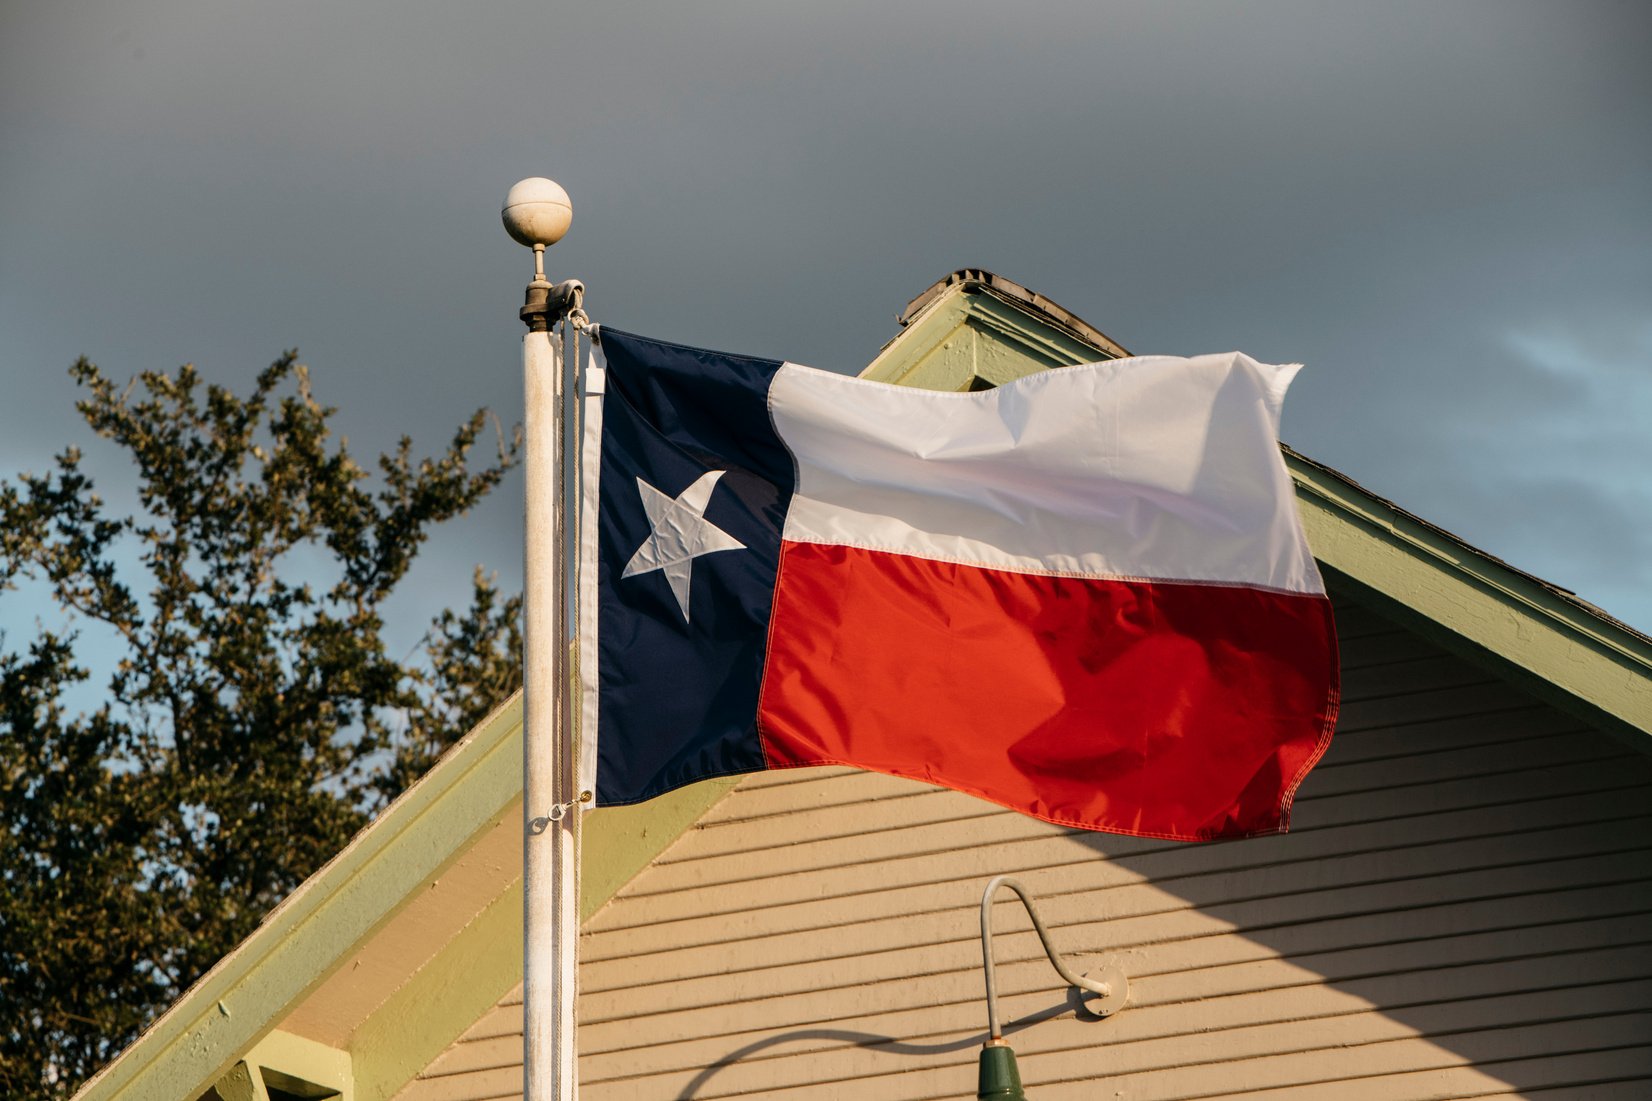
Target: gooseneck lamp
(1107,991)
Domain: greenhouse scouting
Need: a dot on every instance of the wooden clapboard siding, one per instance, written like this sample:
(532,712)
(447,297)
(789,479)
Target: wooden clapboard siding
(1463,909)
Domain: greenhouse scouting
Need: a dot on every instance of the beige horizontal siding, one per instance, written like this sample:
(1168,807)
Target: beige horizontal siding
(1463,909)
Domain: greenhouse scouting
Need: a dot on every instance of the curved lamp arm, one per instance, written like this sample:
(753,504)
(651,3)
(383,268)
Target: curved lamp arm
(1112,988)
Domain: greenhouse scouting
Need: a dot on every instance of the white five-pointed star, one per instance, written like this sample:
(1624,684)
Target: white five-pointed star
(681,533)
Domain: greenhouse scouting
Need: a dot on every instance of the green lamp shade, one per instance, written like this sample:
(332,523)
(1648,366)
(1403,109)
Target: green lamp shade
(1000,1079)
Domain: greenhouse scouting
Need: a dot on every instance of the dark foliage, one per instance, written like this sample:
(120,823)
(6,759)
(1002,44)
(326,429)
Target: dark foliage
(254,721)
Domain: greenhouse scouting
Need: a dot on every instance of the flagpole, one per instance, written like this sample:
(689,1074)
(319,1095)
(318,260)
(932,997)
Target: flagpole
(537,213)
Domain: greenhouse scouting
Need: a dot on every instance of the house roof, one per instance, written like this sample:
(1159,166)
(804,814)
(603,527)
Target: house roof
(981,281)
(403,939)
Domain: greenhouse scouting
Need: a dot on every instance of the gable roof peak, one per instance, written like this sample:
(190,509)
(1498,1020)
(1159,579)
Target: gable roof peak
(982,281)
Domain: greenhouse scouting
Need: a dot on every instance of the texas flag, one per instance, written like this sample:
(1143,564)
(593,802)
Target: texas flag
(1084,595)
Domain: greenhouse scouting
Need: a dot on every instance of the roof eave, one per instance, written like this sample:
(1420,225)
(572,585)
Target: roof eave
(1533,633)
(981,281)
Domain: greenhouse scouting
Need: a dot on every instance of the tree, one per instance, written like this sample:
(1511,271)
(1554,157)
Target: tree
(254,720)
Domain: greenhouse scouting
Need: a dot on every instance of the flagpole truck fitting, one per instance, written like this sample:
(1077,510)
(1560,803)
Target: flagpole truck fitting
(1104,993)
(537,214)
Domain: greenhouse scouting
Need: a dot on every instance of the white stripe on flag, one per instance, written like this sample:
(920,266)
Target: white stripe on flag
(1151,468)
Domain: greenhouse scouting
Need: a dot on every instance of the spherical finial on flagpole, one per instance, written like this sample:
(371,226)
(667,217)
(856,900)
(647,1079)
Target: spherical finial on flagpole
(537,212)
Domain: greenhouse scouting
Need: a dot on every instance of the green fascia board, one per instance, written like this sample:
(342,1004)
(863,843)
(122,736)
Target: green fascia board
(325,922)
(483,963)
(284,1054)
(446,996)
(1052,315)
(1540,638)
(968,333)
(319,926)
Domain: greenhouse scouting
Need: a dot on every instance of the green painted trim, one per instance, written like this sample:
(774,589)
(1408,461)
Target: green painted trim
(300,1057)
(1012,326)
(1473,605)
(483,962)
(619,842)
(322,923)
(444,998)
(927,339)
(1051,314)
(238,1084)
(232,1011)
(967,333)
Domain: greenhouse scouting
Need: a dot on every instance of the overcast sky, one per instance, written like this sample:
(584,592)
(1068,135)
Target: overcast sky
(1443,209)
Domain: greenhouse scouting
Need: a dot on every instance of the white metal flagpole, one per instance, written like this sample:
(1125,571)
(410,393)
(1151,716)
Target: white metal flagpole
(537,214)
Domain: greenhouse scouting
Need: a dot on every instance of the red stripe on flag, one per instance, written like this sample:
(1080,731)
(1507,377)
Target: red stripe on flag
(1174,710)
